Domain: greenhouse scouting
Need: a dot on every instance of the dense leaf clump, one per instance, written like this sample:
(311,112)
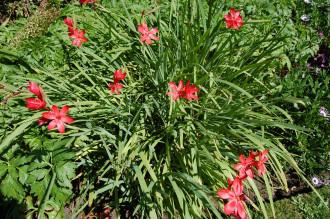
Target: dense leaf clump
(139,141)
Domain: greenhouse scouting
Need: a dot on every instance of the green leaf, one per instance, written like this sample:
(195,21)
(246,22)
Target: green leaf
(39,188)
(11,188)
(3,169)
(18,131)
(65,173)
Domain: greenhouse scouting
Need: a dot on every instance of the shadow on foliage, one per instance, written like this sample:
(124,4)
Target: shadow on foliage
(11,209)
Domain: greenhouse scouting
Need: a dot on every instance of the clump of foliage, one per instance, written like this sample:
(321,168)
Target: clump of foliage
(302,206)
(36,24)
(138,151)
(14,9)
(311,70)
(313,148)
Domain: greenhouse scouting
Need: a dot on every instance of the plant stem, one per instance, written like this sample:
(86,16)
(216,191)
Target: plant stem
(46,197)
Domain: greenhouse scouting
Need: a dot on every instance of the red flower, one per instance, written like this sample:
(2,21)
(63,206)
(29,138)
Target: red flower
(76,34)
(35,103)
(86,1)
(68,21)
(234,19)
(237,183)
(115,87)
(78,37)
(35,89)
(260,163)
(236,197)
(190,91)
(182,91)
(245,165)
(118,76)
(176,91)
(146,34)
(59,118)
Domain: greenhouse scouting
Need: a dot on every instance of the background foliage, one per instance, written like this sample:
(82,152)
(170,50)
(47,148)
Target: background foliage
(139,153)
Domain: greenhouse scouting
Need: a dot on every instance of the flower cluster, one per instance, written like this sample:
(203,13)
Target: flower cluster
(77,35)
(115,87)
(234,192)
(187,91)
(55,117)
(58,118)
(148,36)
(233,21)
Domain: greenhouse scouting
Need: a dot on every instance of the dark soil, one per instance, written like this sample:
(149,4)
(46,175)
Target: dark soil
(296,186)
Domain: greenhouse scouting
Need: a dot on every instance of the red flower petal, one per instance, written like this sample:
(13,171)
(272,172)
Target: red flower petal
(67,119)
(176,91)
(230,207)
(78,37)
(55,109)
(237,186)
(241,210)
(71,31)
(68,21)
(153,31)
(35,89)
(60,126)
(249,173)
(64,110)
(261,169)
(118,76)
(115,88)
(49,115)
(143,28)
(260,164)
(52,124)
(35,103)
(87,1)
(190,91)
(245,165)
(225,194)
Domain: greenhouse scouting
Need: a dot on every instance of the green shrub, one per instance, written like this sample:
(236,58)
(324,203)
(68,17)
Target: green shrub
(312,148)
(302,206)
(139,152)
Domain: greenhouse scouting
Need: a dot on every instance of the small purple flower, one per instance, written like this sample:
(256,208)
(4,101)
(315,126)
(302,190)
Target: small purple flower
(323,112)
(316,181)
(321,34)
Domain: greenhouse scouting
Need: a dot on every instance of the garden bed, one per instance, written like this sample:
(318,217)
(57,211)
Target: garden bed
(177,109)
